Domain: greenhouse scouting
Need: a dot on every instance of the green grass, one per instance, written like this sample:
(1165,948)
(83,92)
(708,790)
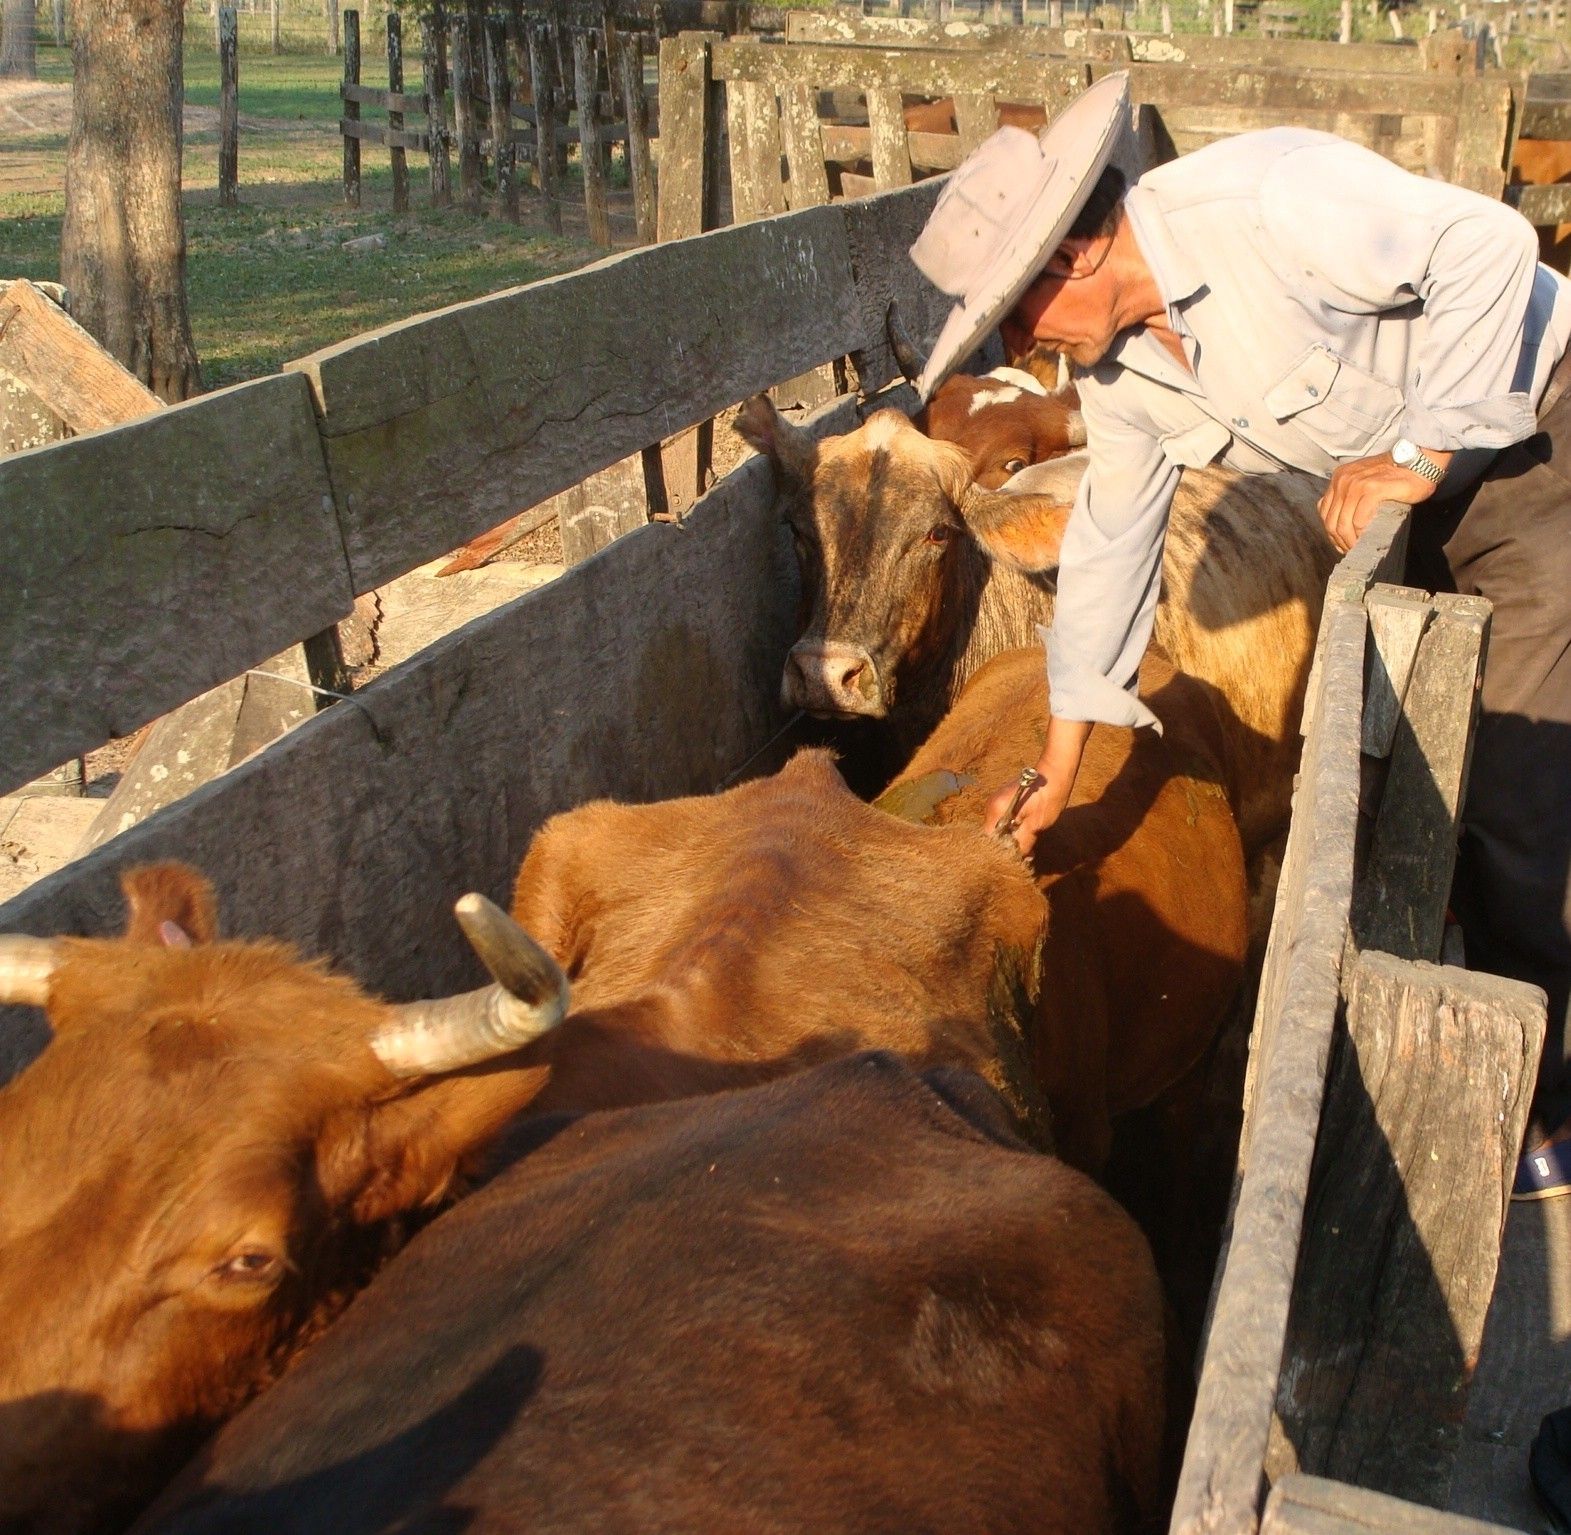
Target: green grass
(296,86)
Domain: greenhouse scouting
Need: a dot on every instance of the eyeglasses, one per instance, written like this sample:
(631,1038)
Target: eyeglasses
(1060,265)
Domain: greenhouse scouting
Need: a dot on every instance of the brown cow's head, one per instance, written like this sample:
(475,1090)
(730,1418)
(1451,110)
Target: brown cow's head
(1004,422)
(210,1151)
(894,540)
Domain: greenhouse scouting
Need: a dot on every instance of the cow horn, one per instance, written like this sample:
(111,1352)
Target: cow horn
(910,360)
(26,966)
(1075,428)
(529,999)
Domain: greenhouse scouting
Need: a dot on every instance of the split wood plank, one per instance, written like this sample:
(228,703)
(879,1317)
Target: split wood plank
(47,352)
(1401,900)
(1425,1109)
(189,503)
(1398,616)
(442,426)
(1312,1505)
(890,149)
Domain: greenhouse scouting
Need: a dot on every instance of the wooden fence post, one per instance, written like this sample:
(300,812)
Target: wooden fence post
(544,83)
(351,108)
(467,129)
(395,119)
(433,29)
(59,19)
(640,169)
(228,108)
(505,202)
(585,75)
(330,10)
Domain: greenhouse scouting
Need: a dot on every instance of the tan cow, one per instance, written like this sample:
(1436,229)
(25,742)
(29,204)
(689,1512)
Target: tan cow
(914,575)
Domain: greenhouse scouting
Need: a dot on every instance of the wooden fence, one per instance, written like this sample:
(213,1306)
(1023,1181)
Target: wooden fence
(1451,124)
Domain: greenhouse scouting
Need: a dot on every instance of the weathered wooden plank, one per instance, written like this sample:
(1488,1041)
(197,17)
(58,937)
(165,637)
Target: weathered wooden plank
(847,143)
(189,505)
(352,836)
(395,116)
(1545,120)
(591,162)
(745,106)
(1400,904)
(976,116)
(684,131)
(602,509)
(1311,1505)
(543,79)
(47,352)
(1398,616)
(1425,1108)
(890,152)
(1541,206)
(1286,91)
(442,426)
(936,73)
(374,133)
(635,110)
(1483,135)
(387,100)
(1220,1482)
(807,183)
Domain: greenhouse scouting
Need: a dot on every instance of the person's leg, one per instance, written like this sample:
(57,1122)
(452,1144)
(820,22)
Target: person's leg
(1512,544)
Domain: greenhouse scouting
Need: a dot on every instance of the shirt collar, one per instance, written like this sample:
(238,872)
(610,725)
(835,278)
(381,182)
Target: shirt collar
(1177,278)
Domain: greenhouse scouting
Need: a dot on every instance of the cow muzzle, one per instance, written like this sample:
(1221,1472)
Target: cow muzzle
(839,681)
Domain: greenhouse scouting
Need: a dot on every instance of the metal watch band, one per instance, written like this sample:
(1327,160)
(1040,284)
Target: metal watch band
(1424,465)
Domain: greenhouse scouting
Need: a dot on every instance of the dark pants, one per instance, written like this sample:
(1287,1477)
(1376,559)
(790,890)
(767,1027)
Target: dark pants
(1509,539)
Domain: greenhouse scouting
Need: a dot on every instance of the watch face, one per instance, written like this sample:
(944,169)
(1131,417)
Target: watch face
(1403,452)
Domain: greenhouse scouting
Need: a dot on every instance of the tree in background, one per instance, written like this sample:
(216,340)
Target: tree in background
(122,247)
(18,54)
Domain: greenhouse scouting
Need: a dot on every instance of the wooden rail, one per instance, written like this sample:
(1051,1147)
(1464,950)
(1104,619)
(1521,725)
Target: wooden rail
(367,459)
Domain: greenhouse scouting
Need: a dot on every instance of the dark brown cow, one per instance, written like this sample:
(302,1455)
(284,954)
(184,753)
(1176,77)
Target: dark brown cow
(1005,421)
(215,1148)
(719,940)
(850,1301)
(914,576)
(939,116)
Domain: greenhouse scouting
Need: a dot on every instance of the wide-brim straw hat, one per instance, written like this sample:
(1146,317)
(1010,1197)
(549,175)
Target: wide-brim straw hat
(1007,208)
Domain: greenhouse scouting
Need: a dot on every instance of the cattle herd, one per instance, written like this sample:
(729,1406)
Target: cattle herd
(789,1130)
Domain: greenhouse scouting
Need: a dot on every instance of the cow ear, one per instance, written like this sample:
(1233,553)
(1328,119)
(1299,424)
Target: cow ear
(169,904)
(793,452)
(376,1161)
(1025,531)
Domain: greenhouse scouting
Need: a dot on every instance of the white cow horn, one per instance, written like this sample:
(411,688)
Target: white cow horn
(26,965)
(529,999)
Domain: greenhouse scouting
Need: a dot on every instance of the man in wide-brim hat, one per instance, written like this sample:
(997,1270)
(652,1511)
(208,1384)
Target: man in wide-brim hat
(1289,299)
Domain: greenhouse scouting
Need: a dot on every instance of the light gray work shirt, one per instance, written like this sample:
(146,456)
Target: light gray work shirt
(1328,303)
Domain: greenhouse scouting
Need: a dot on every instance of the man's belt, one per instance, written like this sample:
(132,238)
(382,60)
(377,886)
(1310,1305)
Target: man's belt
(1559,382)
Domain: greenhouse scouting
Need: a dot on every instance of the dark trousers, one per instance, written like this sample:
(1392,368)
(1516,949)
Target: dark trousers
(1508,538)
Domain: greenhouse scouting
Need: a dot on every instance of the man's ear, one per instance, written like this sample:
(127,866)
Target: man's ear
(760,425)
(1026,531)
(169,904)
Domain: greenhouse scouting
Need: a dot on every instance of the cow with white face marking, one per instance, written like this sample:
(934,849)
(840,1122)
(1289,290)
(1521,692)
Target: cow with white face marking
(914,575)
(1005,421)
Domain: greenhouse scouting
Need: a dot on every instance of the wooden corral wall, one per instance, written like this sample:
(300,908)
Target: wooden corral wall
(1456,125)
(1385,1108)
(148,562)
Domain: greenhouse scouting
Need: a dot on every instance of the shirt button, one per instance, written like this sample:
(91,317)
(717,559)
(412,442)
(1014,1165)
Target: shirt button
(1241,423)
(1312,392)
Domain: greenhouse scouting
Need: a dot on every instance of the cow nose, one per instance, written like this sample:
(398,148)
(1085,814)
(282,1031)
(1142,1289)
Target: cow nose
(833,679)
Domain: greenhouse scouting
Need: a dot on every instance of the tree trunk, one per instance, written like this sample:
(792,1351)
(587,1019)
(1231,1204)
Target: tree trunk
(18,52)
(122,247)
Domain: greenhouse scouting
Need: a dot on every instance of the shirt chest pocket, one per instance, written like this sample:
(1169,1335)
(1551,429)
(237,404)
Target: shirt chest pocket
(1344,408)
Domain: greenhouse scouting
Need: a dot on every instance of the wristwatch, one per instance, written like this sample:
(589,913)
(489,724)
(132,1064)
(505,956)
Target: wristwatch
(1408,455)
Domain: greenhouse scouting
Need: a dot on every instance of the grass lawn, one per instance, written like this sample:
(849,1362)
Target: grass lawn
(271,280)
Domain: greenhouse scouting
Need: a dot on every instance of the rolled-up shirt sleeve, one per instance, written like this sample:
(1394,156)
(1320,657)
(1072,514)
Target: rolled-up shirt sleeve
(1372,237)
(1110,571)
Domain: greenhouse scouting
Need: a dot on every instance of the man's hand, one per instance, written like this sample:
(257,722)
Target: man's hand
(1045,800)
(1357,489)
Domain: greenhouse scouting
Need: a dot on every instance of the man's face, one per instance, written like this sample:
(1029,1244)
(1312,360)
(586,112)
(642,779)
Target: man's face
(1070,307)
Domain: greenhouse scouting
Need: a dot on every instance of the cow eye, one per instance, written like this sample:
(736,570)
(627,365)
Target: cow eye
(1014,465)
(940,533)
(254,1265)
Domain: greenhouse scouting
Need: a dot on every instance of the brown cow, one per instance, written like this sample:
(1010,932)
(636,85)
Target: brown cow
(217,1145)
(718,940)
(913,576)
(1006,421)
(938,116)
(1545,163)
(850,1301)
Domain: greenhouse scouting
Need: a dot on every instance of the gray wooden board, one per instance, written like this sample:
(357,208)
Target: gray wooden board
(1424,1112)
(650,670)
(146,563)
(1541,206)
(1312,1505)
(441,427)
(1219,1484)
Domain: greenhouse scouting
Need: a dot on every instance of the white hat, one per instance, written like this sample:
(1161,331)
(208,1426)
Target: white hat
(1006,210)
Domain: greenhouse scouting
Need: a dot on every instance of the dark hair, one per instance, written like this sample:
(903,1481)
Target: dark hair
(1101,205)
